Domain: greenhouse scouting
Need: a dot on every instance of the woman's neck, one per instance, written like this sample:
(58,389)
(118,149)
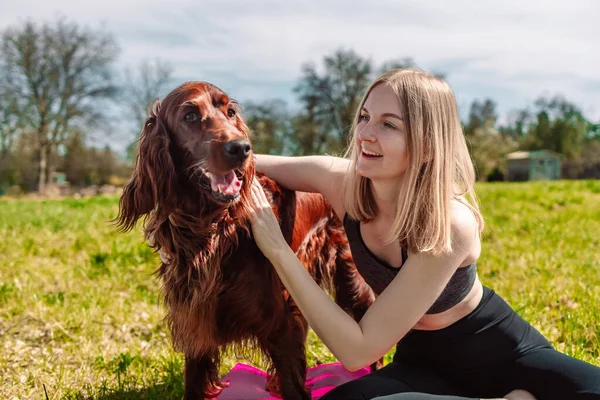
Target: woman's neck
(386,196)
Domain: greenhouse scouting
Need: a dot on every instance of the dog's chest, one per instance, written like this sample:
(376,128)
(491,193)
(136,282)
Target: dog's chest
(251,296)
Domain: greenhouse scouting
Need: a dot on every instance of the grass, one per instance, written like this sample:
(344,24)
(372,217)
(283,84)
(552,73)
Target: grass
(80,315)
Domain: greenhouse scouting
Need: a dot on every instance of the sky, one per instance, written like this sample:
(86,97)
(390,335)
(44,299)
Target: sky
(512,51)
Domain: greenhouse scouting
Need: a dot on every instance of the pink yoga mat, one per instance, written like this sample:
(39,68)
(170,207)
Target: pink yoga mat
(248,383)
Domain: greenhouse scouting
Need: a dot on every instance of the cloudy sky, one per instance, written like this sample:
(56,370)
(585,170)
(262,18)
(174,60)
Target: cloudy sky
(510,50)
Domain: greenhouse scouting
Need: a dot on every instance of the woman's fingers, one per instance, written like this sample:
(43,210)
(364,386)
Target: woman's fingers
(261,192)
(258,195)
(259,202)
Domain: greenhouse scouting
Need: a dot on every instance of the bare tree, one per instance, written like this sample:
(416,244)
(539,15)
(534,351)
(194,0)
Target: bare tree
(141,90)
(11,120)
(62,72)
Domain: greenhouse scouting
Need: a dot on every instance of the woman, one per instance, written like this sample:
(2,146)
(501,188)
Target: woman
(405,194)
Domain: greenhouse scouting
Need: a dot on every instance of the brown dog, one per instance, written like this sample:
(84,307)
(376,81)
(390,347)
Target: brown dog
(191,184)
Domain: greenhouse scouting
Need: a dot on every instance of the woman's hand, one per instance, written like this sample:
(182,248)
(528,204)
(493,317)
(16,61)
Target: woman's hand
(265,227)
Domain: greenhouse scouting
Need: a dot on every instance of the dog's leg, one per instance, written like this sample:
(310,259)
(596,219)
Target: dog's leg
(201,378)
(286,349)
(352,293)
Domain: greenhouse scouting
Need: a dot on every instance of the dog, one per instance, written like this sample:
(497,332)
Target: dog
(191,186)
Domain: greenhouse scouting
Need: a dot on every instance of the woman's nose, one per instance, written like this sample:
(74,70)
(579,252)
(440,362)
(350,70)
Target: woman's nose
(366,134)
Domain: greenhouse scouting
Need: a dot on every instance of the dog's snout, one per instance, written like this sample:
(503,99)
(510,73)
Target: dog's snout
(237,150)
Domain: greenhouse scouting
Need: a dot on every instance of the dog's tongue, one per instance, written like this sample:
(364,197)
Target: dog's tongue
(226,184)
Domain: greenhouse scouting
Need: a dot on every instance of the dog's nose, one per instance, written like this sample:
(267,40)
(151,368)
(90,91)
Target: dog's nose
(237,150)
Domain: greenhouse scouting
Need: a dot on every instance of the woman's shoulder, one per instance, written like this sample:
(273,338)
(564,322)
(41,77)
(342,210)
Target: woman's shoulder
(329,181)
(465,228)
(465,225)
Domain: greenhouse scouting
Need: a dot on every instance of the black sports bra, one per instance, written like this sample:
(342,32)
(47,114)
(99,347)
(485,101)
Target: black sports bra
(378,274)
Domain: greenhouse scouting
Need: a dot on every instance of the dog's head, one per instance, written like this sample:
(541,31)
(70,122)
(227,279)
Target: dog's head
(209,139)
(194,140)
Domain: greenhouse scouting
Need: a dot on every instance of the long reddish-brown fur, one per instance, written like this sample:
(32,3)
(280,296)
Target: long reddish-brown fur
(219,289)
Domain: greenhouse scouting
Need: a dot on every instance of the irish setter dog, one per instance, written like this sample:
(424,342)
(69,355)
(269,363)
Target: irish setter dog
(191,186)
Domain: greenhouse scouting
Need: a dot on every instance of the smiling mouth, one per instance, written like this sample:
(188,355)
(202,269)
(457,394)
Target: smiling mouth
(223,187)
(370,155)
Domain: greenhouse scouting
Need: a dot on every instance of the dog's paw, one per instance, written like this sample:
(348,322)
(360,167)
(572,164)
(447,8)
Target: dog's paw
(273,386)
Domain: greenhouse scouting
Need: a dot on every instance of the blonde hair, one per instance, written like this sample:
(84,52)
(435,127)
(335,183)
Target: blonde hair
(439,170)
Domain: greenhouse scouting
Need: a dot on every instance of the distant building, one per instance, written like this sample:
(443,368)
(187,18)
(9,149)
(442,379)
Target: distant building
(533,165)
(59,178)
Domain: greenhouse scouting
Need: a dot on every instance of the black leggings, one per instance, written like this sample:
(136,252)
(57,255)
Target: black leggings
(489,353)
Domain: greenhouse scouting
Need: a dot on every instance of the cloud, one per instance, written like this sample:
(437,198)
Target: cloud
(512,51)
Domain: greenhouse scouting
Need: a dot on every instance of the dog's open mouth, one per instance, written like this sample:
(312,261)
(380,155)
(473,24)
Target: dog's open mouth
(226,187)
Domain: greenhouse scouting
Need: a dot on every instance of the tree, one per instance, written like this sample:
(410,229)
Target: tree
(76,160)
(541,133)
(560,127)
(269,125)
(107,165)
(11,125)
(16,166)
(62,71)
(405,62)
(487,145)
(518,124)
(329,100)
(141,90)
(481,114)
(593,131)
(11,120)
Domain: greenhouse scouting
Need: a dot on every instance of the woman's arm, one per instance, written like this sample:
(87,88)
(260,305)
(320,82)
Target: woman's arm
(305,173)
(401,305)
(315,174)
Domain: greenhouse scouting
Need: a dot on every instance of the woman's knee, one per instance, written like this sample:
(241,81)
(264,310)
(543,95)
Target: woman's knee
(519,395)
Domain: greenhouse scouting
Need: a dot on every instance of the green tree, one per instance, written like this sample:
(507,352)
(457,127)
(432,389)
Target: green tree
(560,127)
(269,125)
(481,114)
(488,148)
(329,100)
(106,163)
(310,137)
(18,166)
(487,145)
(518,123)
(76,161)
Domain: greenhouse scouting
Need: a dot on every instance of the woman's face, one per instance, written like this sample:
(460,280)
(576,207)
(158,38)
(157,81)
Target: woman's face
(381,136)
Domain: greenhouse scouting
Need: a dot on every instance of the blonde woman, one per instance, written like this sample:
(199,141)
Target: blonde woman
(405,194)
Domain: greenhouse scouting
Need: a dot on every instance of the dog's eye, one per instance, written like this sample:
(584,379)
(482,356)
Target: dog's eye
(192,116)
(230,112)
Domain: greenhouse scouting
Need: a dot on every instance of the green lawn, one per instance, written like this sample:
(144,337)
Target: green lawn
(80,315)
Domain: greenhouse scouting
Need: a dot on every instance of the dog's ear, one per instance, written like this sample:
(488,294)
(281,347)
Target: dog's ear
(151,187)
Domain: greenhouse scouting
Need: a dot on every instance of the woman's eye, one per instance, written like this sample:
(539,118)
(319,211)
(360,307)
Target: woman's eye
(191,117)
(231,113)
(388,125)
(363,117)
